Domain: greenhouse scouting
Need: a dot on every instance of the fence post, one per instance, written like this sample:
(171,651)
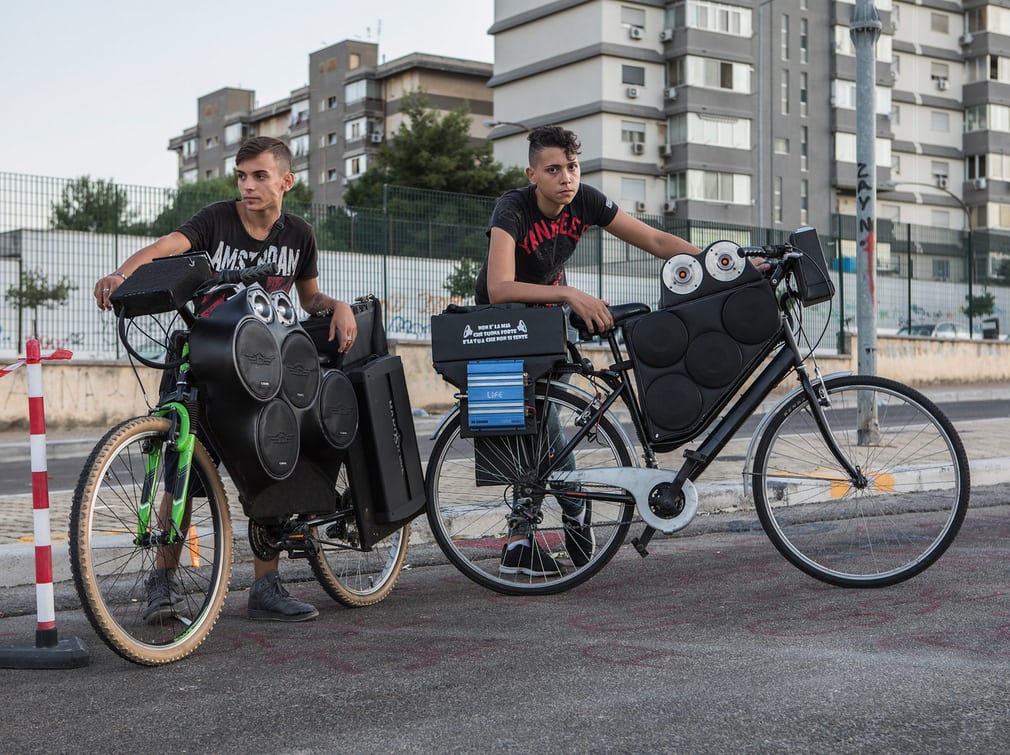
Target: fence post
(49,651)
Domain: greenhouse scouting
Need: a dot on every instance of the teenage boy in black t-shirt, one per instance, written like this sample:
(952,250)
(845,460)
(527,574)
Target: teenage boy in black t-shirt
(240,233)
(532,233)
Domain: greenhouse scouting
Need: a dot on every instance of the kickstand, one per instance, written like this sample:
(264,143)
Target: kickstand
(642,542)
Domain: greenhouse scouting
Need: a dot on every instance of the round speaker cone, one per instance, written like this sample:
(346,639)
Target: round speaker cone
(277,442)
(301,369)
(750,315)
(257,358)
(659,339)
(673,402)
(714,359)
(338,409)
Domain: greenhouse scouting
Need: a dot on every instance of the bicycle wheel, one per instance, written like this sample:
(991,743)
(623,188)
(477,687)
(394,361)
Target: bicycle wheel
(110,567)
(473,489)
(891,529)
(348,573)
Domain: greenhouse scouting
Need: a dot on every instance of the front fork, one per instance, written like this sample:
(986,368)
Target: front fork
(180,438)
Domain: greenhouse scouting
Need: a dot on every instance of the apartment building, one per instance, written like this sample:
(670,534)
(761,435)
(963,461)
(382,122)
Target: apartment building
(333,124)
(744,111)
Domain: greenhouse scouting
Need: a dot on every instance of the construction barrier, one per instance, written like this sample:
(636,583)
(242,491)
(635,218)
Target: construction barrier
(49,651)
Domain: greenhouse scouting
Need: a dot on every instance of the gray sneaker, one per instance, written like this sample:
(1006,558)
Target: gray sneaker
(163,598)
(270,601)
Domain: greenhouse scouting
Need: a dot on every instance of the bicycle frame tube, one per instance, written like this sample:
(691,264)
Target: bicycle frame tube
(185,445)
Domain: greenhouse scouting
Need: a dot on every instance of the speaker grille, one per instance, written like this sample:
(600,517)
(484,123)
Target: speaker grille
(257,359)
(277,439)
(337,409)
(301,369)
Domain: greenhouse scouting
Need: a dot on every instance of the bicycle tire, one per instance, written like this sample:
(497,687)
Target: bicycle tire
(108,566)
(889,531)
(468,520)
(349,574)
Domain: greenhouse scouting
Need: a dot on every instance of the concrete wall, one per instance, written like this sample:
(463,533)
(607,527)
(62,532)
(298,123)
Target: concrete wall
(89,393)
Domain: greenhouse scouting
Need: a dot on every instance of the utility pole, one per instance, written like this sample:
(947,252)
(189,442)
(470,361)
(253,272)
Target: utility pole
(864,29)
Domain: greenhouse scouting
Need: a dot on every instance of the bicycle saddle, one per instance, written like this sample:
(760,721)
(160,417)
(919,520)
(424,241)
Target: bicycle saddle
(620,313)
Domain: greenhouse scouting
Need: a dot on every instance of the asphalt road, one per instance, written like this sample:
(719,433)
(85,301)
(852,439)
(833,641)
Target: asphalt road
(712,644)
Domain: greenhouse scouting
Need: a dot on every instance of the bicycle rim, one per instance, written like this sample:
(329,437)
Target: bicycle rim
(349,574)
(110,568)
(469,521)
(886,532)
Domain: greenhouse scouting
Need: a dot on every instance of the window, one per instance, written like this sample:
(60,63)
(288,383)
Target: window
(843,95)
(633,189)
(939,22)
(803,147)
(355,129)
(975,167)
(210,142)
(331,175)
(716,131)
(233,133)
(725,19)
(190,176)
(355,91)
(896,164)
(781,145)
(728,188)
(300,146)
(777,199)
(941,269)
(189,148)
(710,73)
(632,132)
(939,218)
(633,75)
(784,93)
(803,94)
(784,38)
(229,166)
(633,17)
(939,121)
(329,139)
(989,18)
(299,113)
(353,61)
(355,166)
(302,177)
(804,35)
(845,149)
(804,201)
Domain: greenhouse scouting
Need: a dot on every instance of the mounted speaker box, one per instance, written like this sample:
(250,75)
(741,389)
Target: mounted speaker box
(718,317)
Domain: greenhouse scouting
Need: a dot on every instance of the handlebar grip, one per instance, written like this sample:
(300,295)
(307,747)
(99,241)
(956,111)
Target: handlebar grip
(770,251)
(247,275)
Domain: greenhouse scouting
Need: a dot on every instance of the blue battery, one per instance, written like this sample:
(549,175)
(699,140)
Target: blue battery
(496,394)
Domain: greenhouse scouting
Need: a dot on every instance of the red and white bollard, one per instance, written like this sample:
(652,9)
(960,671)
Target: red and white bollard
(49,651)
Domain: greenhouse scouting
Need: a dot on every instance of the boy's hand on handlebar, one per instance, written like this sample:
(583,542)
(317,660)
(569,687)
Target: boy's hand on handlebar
(594,312)
(343,324)
(104,288)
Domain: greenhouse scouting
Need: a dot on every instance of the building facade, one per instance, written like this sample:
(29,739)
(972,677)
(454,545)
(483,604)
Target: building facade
(351,104)
(744,111)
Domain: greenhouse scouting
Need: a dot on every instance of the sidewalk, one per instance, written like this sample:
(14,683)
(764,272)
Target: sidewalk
(987,443)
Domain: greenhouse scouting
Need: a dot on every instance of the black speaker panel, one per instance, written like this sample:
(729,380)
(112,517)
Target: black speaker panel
(279,422)
(692,356)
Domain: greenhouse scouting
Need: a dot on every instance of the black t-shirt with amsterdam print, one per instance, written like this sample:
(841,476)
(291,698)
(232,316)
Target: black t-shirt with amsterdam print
(544,245)
(217,229)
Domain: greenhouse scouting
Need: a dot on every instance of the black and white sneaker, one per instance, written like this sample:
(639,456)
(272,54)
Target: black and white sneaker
(269,600)
(527,559)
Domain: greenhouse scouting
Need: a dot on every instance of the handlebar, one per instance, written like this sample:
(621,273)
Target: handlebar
(245,276)
(768,252)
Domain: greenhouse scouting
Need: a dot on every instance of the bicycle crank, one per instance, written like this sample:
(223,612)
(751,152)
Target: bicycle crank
(659,503)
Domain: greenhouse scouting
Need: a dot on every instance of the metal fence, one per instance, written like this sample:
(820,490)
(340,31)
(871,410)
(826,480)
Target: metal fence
(406,251)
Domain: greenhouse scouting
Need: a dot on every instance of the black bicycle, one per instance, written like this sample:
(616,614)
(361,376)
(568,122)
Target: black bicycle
(287,428)
(858,480)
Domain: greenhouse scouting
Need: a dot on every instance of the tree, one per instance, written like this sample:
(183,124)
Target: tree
(463,278)
(979,305)
(428,152)
(97,206)
(34,291)
(188,199)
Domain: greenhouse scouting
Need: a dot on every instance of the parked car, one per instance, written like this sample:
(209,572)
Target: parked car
(934,330)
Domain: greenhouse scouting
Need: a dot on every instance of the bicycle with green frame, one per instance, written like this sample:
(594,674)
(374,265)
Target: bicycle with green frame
(123,525)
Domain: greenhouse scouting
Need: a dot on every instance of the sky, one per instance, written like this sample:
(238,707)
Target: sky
(98,88)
